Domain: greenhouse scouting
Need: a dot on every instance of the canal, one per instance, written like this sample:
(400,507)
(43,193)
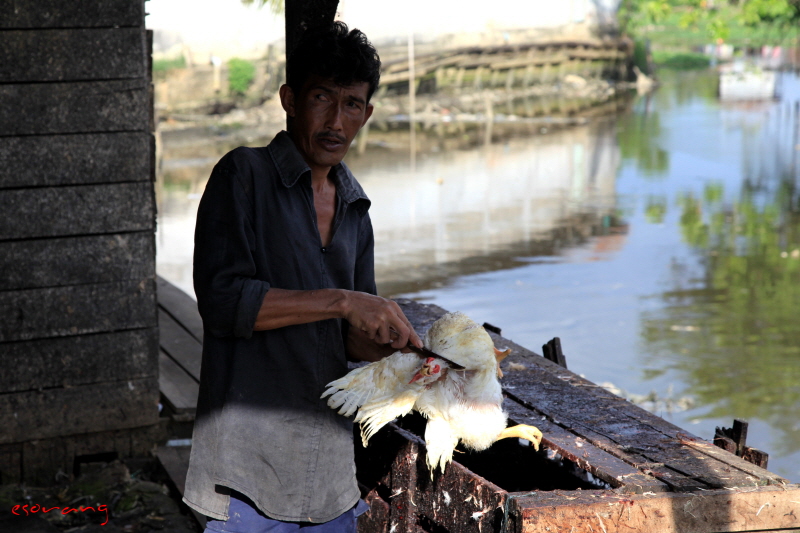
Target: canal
(660,242)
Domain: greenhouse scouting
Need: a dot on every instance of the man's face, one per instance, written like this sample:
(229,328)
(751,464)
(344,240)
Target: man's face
(325,118)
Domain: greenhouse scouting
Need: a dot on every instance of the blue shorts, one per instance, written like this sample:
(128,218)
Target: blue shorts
(244,517)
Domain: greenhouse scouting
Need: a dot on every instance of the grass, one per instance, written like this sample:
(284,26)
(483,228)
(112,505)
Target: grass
(681,60)
(163,65)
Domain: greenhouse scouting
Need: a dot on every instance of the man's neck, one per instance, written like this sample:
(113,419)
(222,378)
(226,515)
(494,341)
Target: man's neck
(320,178)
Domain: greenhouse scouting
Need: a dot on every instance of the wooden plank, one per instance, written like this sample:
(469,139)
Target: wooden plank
(584,454)
(76,210)
(764,508)
(617,426)
(181,307)
(64,411)
(78,360)
(376,518)
(184,349)
(63,261)
(58,14)
(75,159)
(72,55)
(66,311)
(75,107)
(175,461)
(178,389)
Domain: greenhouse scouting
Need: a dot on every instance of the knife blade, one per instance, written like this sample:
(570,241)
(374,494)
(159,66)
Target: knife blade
(424,352)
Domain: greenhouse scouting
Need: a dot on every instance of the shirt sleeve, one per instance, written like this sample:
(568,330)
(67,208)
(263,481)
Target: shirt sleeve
(364,276)
(227,295)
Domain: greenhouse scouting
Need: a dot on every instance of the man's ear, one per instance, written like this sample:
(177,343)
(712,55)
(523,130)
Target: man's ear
(287,99)
(367,113)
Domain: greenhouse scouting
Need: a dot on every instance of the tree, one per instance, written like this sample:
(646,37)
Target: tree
(717,18)
(276,6)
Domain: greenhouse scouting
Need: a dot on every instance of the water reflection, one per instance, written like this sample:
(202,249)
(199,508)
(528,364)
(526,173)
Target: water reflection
(733,334)
(473,210)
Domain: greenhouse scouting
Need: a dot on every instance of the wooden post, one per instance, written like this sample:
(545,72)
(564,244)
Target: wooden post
(478,81)
(734,440)
(304,14)
(412,92)
(552,352)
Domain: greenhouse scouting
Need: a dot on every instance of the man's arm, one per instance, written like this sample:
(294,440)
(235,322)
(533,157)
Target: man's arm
(380,320)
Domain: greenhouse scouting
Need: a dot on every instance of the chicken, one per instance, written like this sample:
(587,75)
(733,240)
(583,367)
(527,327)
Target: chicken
(460,405)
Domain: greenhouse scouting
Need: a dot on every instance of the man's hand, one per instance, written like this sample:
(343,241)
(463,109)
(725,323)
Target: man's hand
(359,347)
(380,320)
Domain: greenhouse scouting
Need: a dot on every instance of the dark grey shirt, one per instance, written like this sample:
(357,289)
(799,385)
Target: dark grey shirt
(261,427)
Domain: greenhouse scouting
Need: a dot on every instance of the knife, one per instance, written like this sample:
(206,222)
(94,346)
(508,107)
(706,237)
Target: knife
(424,352)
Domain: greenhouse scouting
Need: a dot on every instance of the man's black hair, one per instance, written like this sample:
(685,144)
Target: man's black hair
(334,52)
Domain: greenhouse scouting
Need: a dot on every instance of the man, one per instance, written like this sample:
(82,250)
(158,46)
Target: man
(284,277)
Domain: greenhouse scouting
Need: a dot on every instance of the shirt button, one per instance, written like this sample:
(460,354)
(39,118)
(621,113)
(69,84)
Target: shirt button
(324,250)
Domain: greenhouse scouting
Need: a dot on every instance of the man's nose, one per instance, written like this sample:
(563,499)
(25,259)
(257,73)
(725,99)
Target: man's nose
(334,121)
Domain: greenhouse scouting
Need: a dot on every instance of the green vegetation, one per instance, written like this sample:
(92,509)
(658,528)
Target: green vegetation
(681,60)
(163,65)
(240,75)
(683,24)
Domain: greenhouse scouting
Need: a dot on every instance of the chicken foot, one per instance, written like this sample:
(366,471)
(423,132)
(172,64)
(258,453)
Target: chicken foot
(523,431)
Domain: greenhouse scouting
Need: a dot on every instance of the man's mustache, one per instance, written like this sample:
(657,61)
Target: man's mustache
(331,137)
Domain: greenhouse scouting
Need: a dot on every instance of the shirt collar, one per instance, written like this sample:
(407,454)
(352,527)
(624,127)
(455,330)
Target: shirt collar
(291,166)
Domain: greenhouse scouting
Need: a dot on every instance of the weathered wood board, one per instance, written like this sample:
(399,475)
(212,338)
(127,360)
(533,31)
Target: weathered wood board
(175,460)
(72,55)
(50,413)
(181,307)
(75,107)
(76,210)
(75,260)
(78,360)
(19,14)
(78,309)
(180,341)
(765,508)
(181,347)
(76,159)
(178,390)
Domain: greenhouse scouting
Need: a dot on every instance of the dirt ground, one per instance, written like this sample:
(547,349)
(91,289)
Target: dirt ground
(117,497)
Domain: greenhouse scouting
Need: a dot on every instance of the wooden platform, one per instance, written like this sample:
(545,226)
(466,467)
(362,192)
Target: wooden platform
(607,464)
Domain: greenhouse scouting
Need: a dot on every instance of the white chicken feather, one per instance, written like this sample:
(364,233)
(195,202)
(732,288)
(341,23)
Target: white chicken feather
(460,405)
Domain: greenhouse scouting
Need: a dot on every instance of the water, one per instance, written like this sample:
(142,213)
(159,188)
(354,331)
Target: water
(662,245)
